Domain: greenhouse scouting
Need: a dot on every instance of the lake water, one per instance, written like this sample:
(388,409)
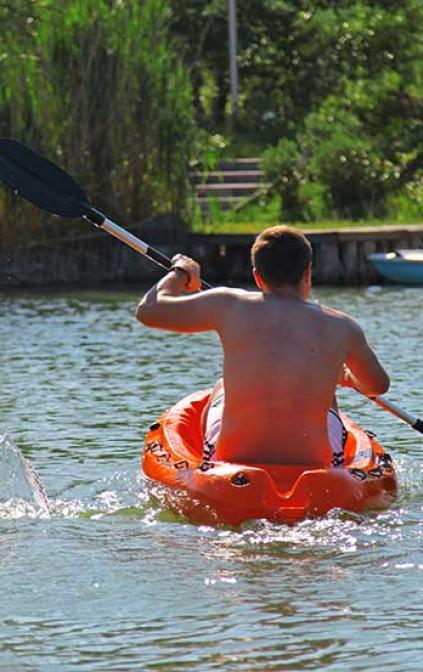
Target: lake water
(111,581)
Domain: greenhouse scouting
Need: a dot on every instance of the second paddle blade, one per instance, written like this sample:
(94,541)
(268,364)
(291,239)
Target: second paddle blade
(40,181)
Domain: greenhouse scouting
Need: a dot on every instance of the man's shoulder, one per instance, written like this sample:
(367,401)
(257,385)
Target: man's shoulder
(339,317)
(229,293)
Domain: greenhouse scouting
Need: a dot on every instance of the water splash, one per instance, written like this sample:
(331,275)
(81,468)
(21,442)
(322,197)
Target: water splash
(21,492)
(117,495)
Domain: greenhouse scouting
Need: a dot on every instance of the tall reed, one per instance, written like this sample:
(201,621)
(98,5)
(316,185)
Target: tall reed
(97,86)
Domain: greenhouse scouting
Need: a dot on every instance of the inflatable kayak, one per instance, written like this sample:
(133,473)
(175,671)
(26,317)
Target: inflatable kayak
(229,493)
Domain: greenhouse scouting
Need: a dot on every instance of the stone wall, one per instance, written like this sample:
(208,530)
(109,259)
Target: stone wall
(95,258)
(340,256)
(92,259)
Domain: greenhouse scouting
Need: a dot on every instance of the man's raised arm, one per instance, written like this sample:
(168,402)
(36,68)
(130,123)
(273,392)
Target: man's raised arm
(363,370)
(176,304)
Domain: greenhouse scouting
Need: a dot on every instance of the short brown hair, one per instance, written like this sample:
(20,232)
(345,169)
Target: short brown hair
(281,255)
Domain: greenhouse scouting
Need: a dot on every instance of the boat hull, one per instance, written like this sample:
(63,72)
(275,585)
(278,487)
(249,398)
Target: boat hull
(398,269)
(228,493)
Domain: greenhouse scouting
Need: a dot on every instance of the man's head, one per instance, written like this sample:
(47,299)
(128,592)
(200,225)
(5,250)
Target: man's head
(281,256)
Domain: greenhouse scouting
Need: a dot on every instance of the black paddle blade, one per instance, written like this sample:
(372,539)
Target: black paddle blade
(40,181)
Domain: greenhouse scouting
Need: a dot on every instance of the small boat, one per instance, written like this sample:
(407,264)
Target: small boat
(403,266)
(229,493)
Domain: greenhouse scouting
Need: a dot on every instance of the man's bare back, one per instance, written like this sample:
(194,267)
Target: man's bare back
(283,356)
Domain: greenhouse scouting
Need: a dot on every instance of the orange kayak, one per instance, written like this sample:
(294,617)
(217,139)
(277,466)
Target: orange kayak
(229,493)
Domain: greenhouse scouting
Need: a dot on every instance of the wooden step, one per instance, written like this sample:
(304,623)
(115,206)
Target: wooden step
(224,203)
(232,182)
(222,176)
(229,189)
(239,164)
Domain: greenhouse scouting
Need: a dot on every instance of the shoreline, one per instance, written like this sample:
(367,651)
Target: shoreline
(95,260)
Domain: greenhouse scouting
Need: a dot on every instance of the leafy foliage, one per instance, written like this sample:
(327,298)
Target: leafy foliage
(98,86)
(333,87)
(361,137)
(125,92)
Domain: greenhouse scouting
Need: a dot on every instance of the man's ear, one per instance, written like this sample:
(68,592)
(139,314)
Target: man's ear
(258,279)
(307,279)
(309,271)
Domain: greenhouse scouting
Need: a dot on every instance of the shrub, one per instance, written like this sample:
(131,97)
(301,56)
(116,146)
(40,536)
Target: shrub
(283,167)
(97,87)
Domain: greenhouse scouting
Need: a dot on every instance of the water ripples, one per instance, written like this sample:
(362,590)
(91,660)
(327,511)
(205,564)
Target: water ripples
(107,579)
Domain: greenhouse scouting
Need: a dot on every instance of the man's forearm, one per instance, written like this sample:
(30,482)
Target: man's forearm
(354,382)
(351,380)
(173,284)
(168,304)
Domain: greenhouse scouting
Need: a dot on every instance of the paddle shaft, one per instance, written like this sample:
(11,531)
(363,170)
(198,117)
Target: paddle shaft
(411,420)
(102,222)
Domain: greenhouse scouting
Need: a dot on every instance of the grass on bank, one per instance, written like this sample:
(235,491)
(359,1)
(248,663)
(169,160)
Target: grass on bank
(257,216)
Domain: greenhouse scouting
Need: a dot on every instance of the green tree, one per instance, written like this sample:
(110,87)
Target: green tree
(99,87)
(359,136)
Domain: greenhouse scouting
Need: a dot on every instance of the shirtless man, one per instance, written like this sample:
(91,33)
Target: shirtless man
(283,356)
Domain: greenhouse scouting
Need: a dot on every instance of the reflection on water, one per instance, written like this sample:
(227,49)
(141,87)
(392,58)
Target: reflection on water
(105,579)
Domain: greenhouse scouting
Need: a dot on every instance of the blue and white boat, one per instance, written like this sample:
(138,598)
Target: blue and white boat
(404,266)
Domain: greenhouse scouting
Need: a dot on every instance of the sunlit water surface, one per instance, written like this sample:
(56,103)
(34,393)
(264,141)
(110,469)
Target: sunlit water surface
(103,578)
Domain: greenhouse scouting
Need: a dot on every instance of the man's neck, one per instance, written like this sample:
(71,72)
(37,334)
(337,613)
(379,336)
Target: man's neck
(295,292)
